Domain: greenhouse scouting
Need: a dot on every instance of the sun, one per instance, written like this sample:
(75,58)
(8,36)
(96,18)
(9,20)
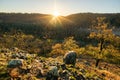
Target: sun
(56,14)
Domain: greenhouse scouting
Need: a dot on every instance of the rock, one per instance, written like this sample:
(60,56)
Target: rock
(44,72)
(80,77)
(15,63)
(4,50)
(64,73)
(83,71)
(24,71)
(14,49)
(103,74)
(72,78)
(36,71)
(22,56)
(70,58)
(36,68)
(14,72)
(63,66)
(52,73)
(87,63)
(13,56)
(19,55)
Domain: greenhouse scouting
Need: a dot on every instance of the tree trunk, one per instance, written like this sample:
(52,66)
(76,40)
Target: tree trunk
(101,48)
(97,62)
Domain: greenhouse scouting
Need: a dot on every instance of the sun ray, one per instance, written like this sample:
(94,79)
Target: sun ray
(56,14)
(56,19)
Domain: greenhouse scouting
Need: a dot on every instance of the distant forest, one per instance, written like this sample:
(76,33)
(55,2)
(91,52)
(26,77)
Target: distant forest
(40,25)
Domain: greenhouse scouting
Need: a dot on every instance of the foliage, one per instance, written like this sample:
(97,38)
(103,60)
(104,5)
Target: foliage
(57,50)
(34,34)
(110,54)
(101,30)
(46,46)
(92,50)
(101,33)
(39,24)
(22,41)
(69,44)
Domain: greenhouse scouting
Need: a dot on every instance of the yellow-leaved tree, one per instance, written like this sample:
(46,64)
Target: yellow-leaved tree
(103,34)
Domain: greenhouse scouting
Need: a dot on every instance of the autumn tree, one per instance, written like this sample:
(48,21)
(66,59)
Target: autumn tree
(103,34)
(69,44)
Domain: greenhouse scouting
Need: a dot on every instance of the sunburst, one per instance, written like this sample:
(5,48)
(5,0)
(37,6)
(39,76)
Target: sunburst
(56,14)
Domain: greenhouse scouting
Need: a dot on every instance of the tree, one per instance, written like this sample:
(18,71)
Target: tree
(102,34)
(70,44)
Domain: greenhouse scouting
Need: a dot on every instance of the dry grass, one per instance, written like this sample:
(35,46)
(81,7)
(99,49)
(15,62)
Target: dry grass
(108,75)
(105,70)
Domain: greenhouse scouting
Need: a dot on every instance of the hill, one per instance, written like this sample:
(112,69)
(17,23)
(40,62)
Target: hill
(64,26)
(80,19)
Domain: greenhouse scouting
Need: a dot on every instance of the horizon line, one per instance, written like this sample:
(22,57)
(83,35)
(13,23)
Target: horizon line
(62,15)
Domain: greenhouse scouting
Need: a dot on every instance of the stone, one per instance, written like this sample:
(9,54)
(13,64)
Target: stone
(70,58)
(14,72)
(36,71)
(15,63)
(87,63)
(80,77)
(63,66)
(103,74)
(72,78)
(14,49)
(83,71)
(13,56)
(22,56)
(19,55)
(52,73)
(44,72)
(64,73)
(36,68)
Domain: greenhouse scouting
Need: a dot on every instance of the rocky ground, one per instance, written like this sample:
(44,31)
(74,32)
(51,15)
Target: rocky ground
(20,65)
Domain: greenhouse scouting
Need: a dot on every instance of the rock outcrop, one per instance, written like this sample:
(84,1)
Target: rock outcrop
(70,58)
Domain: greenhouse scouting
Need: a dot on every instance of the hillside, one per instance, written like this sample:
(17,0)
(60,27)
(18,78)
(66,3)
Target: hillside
(37,67)
(64,26)
(87,18)
(83,46)
(80,19)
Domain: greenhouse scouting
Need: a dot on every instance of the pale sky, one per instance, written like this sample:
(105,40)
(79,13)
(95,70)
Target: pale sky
(64,7)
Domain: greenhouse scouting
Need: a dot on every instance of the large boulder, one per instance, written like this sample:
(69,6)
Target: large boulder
(15,63)
(70,58)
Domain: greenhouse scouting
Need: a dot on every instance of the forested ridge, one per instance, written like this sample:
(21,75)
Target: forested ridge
(44,26)
(39,24)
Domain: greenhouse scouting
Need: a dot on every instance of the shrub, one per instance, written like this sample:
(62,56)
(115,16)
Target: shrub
(69,44)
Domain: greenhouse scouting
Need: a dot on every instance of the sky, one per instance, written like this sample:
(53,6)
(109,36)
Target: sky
(64,7)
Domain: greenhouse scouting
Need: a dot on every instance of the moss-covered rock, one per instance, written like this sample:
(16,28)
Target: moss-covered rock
(15,63)
(70,58)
